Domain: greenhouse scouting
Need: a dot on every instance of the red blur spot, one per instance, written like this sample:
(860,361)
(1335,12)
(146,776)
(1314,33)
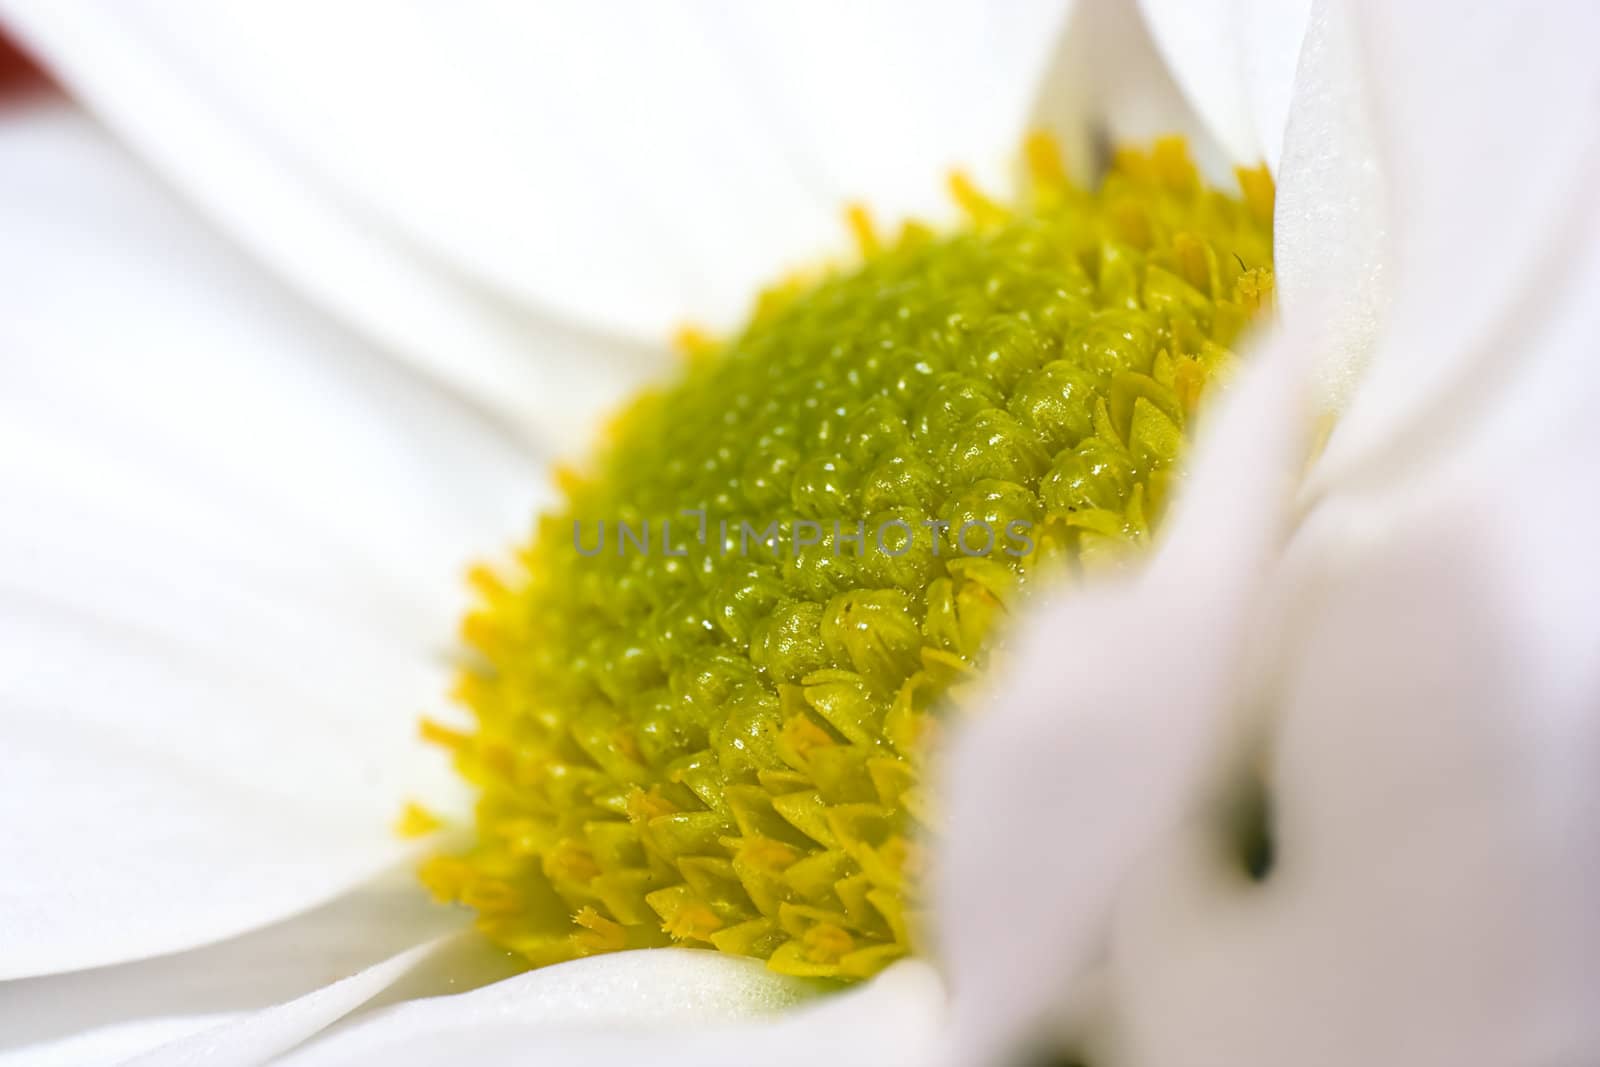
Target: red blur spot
(19,74)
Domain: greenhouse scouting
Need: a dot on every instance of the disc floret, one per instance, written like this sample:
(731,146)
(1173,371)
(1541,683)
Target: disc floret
(704,696)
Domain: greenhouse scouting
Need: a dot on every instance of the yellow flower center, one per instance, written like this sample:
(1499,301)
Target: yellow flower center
(705,698)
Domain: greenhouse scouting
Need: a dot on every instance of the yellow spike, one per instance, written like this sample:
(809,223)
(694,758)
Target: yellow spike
(599,934)
(693,342)
(445,877)
(1193,266)
(1133,162)
(913,232)
(979,208)
(1131,220)
(568,478)
(491,896)
(1044,161)
(693,922)
(481,631)
(437,733)
(486,583)
(774,298)
(1173,166)
(416,821)
(469,689)
(773,856)
(646,805)
(804,735)
(1260,193)
(571,862)
(859,219)
(827,943)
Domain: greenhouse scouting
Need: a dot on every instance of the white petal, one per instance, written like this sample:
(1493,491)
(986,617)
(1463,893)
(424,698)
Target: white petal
(664,997)
(1202,44)
(107,1045)
(231,552)
(1492,187)
(1432,784)
(656,1006)
(1330,233)
(1272,35)
(1103,729)
(148,70)
(875,102)
(110,1013)
(1235,59)
(1434,798)
(264,1035)
(624,165)
(1108,85)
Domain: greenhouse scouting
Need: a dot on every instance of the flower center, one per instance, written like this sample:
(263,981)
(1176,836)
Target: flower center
(704,699)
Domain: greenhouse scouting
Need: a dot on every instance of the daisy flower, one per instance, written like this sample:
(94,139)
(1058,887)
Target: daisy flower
(303,316)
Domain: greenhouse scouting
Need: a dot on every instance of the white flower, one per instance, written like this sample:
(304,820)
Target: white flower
(238,472)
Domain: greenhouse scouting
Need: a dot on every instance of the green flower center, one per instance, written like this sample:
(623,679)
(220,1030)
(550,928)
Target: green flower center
(705,698)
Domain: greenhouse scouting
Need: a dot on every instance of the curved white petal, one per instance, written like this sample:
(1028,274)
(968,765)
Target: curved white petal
(108,1045)
(876,102)
(1272,39)
(1202,46)
(434,173)
(1104,730)
(1108,85)
(1433,794)
(655,1006)
(235,104)
(262,1036)
(1331,229)
(230,557)
(666,996)
(1430,773)
(1236,61)
(1492,190)
(132,1007)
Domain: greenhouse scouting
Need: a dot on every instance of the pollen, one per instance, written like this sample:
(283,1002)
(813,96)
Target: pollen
(705,693)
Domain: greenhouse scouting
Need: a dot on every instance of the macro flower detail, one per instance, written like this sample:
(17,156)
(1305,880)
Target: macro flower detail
(1098,598)
(705,695)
